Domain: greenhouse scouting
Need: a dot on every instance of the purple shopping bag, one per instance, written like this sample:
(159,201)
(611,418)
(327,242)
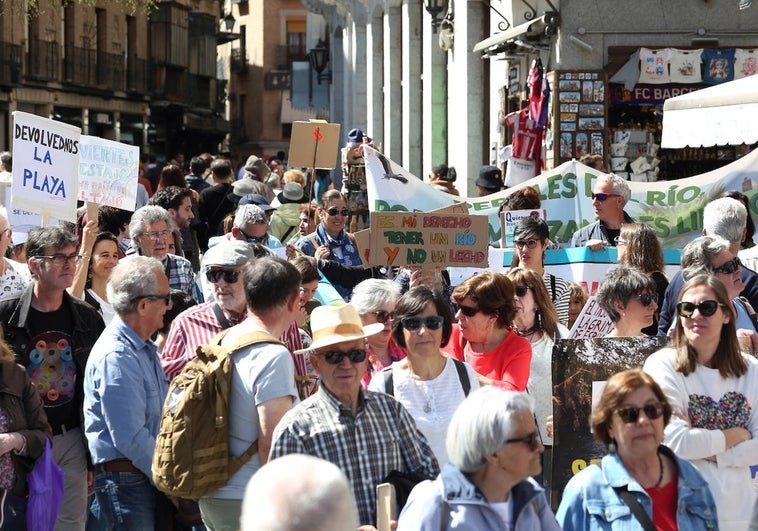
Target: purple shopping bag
(45,492)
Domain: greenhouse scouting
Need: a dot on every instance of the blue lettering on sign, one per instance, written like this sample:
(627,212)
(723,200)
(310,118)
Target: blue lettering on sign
(47,158)
(45,183)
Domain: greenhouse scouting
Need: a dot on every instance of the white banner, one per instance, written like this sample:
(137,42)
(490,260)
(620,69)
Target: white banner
(108,172)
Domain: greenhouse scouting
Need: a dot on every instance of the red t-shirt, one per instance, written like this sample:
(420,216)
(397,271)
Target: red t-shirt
(507,364)
(664,504)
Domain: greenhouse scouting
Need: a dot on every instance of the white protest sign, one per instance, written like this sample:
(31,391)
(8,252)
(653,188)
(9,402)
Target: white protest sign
(18,219)
(45,155)
(592,322)
(108,172)
(509,220)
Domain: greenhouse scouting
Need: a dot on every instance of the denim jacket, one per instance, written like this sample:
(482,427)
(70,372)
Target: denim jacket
(590,502)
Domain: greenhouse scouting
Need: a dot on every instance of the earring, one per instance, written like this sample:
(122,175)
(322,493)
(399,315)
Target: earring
(612,446)
(539,318)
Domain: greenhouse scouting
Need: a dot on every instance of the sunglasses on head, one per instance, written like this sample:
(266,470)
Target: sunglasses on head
(730,267)
(706,308)
(468,311)
(632,414)
(529,244)
(334,211)
(382,316)
(230,277)
(433,322)
(335,357)
(521,290)
(602,197)
(647,298)
(533,440)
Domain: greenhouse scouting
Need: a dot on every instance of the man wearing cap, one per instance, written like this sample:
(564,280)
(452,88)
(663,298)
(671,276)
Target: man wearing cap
(490,180)
(258,200)
(222,266)
(286,220)
(215,203)
(263,380)
(366,434)
(251,225)
(609,197)
(258,171)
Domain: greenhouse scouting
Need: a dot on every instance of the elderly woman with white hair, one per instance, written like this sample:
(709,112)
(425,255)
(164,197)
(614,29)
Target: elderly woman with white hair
(494,449)
(375,300)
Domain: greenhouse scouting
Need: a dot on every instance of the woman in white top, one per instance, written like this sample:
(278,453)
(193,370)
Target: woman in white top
(98,260)
(429,384)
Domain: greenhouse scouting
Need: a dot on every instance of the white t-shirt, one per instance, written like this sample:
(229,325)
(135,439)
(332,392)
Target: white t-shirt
(431,403)
(654,65)
(540,383)
(106,308)
(745,62)
(685,66)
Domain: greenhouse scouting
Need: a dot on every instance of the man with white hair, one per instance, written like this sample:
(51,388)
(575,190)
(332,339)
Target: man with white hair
(609,197)
(298,493)
(251,225)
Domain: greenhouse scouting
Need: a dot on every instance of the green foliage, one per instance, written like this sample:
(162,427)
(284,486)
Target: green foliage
(41,7)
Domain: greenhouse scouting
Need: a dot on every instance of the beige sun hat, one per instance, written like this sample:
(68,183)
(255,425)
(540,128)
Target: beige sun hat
(336,324)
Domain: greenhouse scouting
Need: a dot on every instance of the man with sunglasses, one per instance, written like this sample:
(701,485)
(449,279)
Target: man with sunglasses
(222,267)
(51,334)
(342,417)
(609,197)
(251,225)
(124,390)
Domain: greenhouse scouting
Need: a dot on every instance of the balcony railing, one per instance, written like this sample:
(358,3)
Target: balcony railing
(110,70)
(10,63)
(137,75)
(79,66)
(43,60)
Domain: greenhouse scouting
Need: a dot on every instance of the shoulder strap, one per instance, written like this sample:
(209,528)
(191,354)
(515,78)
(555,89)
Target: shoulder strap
(636,507)
(462,376)
(552,287)
(223,321)
(286,235)
(389,385)
(313,241)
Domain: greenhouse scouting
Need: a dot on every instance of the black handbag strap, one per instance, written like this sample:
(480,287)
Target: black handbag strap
(636,507)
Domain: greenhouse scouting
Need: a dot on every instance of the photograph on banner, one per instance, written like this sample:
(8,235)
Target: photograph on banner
(428,239)
(46,155)
(108,172)
(579,366)
(510,218)
(673,208)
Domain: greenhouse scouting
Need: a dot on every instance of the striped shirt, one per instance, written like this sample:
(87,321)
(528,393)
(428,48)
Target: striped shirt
(559,292)
(379,438)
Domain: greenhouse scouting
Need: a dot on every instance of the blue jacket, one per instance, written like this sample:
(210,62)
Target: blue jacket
(590,502)
(595,231)
(465,507)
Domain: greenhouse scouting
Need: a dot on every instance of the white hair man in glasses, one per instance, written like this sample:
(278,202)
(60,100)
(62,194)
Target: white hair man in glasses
(51,334)
(222,266)
(366,434)
(124,390)
(609,197)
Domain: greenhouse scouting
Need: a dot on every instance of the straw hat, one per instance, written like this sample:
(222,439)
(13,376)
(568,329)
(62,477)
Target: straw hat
(336,324)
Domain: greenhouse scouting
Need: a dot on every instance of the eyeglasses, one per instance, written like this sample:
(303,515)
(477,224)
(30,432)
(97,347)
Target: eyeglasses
(533,440)
(468,311)
(334,211)
(529,244)
(158,235)
(230,277)
(632,414)
(335,357)
(730,267)
(706,308)
(382,316)
(433,322)
(155,297)
(602,197)
(521,290)
(646,298)
(62,259)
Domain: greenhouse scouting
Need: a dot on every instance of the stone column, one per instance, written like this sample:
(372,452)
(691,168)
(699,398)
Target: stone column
(393,74)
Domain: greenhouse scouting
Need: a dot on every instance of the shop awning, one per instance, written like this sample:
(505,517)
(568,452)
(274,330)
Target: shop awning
(717,116)
(508,35)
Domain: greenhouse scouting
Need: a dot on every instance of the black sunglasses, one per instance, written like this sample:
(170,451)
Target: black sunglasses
(529,244)
(382,316)
(154,297)
(706,308)
(230,277)
(335,357)
(468,311)
(433,322)
(730,267)
(521,290)
(533,440)
(602,197)
(632,414)
(334,211)
(647,298)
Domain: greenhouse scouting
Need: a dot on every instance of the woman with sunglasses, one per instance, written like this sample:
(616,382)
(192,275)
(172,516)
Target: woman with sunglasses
(426,382)
(640,484)
(330,240)
(494,450)
(375,300)
(713,389)
(483,336)
(629,298)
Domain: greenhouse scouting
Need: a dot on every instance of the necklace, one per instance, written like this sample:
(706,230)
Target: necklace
(427,396)
(528,332)
(660,463)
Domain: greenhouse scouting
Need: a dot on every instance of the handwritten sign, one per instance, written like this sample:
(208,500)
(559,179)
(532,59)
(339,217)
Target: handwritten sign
(428,239)
(314,144)
(108,172)
(46,155)
(510,218)
(592,322)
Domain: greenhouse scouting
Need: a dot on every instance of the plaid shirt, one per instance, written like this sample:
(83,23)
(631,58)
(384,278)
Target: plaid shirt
(381,437)
(180,275)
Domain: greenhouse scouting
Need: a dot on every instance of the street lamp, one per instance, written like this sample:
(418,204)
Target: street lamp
(435,8)
(319,58)
(229,21)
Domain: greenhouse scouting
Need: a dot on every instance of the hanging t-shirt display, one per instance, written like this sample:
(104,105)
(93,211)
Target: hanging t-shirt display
(719,66)
(654,65)
(745,62)
(685,66)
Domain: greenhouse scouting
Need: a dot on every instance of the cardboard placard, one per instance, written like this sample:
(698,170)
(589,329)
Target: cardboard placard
(386,506)
(510,218)
(314,144)
(108,172)
(428,239)
(593,322)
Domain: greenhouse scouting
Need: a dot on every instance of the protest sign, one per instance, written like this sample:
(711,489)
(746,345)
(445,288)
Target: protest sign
(428,239)
(314,144)
(510,218)
(592,322)
(108,172)
(46,155)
